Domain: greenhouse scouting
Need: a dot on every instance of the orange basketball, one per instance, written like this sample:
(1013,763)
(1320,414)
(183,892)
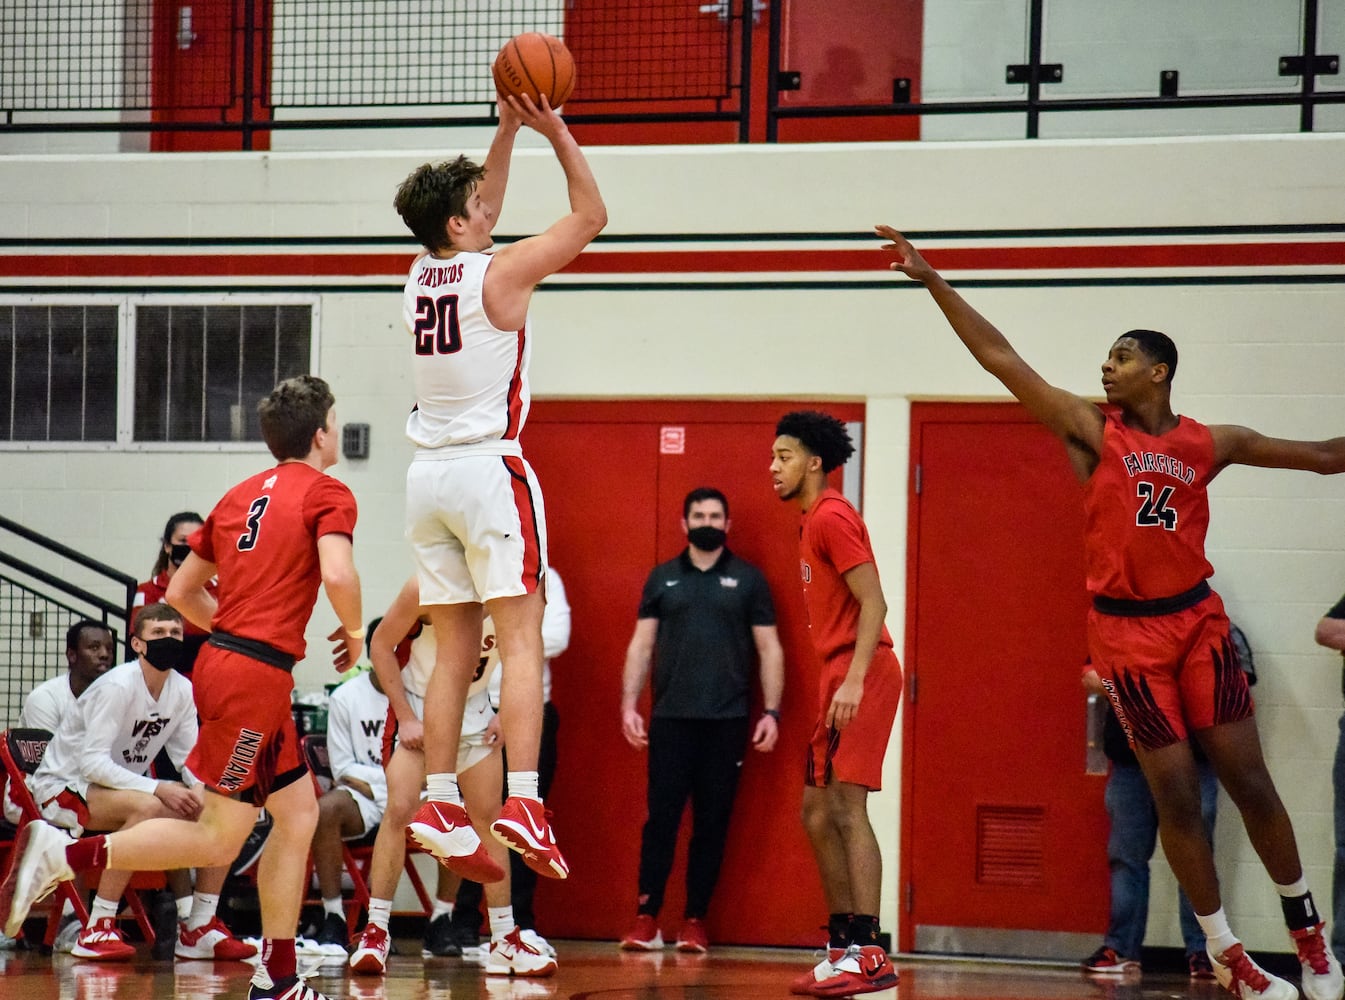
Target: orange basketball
(535,64)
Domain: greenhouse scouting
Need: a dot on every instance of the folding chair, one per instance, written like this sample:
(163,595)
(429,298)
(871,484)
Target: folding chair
(359,854)
(21,751)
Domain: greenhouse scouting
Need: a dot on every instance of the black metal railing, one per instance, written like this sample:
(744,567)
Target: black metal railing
(249,67)
(38,603)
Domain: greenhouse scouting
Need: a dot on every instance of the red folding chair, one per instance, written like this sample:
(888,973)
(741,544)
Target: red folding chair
(21,751)
(359,854)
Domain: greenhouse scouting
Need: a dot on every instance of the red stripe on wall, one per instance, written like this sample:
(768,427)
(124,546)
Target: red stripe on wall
(1166,256)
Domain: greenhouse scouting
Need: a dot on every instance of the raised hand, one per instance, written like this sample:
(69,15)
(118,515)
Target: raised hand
(910,263)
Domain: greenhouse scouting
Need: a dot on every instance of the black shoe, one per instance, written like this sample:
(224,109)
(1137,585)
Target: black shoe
(439,939)
(332,930)
(465,937)
(251,850)
(165,927)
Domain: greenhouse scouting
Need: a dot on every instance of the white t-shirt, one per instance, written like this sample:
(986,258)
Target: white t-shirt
(114,730)
(471,378)
(356,716)
(46,704)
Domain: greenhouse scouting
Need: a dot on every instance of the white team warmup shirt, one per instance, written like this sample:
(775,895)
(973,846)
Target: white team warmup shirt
(471,378)
(111,734)
(356,715)
(46,704)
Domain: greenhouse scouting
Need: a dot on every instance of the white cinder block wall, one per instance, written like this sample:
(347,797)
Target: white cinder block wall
(1270,355)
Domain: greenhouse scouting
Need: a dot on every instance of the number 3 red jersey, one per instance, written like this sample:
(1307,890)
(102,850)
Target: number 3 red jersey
(471,378)
(263,536)
(1147,511)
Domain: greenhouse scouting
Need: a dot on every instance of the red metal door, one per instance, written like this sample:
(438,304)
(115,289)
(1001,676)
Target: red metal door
(1004,834)
(614,481)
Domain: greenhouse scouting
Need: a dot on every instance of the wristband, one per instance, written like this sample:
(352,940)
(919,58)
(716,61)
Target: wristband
(356,633)
(774,713)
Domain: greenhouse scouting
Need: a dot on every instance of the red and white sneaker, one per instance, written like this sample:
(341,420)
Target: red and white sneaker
(511,955)
(523,827)
(1246,980)
(644,936)
(692,936)
(263,987)
(100,941)
(444,829)
(1322,979)
(371,954)
(803,985)
(865,969)
(212,941)
(37,866)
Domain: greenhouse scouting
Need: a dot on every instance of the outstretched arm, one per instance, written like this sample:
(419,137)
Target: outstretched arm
(1234,445)
(518,268)
(1073,419)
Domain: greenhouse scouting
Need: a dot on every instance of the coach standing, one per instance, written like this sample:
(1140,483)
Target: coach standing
(701,616)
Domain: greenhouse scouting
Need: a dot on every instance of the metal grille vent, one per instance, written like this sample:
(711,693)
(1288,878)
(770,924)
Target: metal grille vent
(1009,846)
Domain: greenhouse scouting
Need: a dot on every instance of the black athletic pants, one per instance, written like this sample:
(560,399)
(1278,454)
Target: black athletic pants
(523,880)
(700,760)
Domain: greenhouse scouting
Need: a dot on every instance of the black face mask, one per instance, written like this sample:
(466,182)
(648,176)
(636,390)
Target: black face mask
(707,538)
(166,653)
(179,553)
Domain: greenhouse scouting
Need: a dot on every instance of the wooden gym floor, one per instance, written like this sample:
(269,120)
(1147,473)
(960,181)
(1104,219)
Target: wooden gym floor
(588,971)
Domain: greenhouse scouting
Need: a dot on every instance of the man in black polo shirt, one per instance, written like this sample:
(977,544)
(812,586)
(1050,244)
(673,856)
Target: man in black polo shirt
(701,616)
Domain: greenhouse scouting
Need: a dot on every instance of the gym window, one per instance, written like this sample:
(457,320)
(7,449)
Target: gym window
(146,372)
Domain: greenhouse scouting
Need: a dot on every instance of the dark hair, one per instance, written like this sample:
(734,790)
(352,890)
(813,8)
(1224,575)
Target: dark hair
(704,493)
(295,410)
(169,530)
(433,194)
(821,433)
(369,636)
(1157,347)
(72,633)
(157,612)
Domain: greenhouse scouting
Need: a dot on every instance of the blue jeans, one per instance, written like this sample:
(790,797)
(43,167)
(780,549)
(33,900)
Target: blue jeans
(1338,875)
(1134,834)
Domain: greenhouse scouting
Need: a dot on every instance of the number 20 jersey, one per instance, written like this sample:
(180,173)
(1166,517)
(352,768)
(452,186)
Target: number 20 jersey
(471,378)
(1146,511)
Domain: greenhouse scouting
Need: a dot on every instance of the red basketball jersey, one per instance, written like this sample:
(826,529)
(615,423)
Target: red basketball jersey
(832,541)
(1147,511)
(263,538)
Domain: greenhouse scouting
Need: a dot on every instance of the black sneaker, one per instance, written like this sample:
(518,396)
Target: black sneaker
(332,930)
(440,941)
(251,850)
(465,937)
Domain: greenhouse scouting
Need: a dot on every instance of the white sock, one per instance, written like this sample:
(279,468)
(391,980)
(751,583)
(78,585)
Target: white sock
(440,909)
(203,907)
(333,906)
(443,788)
(184,909)
(380,912)
(524,784)
(102,909)
(1293,890)
(501,921)
(1218,938)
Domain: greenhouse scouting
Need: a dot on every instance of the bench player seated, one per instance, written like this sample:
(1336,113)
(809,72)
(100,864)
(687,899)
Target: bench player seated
(403,654)
(95,776)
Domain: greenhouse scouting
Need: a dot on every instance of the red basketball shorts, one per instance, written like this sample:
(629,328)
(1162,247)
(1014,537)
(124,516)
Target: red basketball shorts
(248,746)
(855,754)
(1169,675)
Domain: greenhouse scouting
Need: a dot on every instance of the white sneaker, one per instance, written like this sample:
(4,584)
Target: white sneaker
(1322,978)
(542,946)
(40,868)
(512,956)
(1246,980)
(371,954)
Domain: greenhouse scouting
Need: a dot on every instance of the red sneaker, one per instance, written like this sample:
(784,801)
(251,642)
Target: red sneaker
(860,970)
(644,936)
(371,954)
(212,941)
(102,942)
(444,830)
(825,969)
(692,936)
(1322,979)
(522,827)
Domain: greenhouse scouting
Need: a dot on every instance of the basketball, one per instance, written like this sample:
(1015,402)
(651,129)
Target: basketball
(535,64)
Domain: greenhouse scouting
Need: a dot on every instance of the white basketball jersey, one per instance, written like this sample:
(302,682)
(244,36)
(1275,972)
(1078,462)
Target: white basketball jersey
(416,673)
(471,378)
